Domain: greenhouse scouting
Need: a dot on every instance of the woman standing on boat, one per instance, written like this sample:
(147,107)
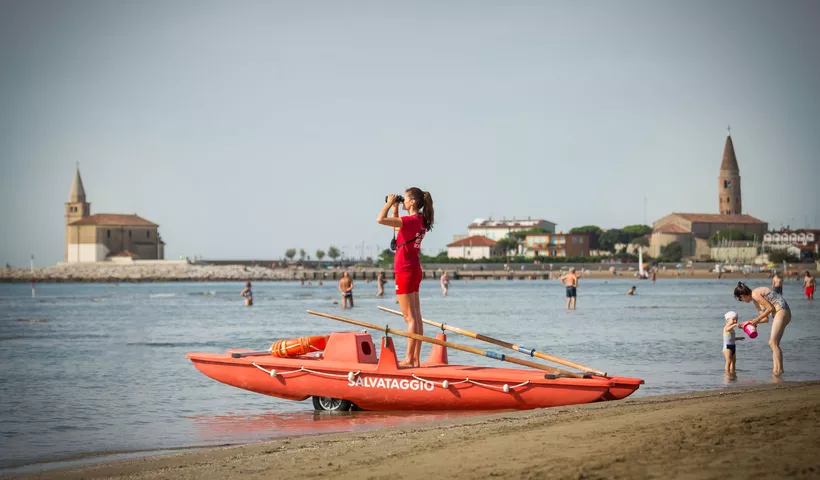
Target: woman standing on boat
(407,266)
(768,302)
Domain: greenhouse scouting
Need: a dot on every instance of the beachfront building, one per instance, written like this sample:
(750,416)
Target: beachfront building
(498,229)
(107,236)
(474,248)
(807,241)
(692,230)
(557,245)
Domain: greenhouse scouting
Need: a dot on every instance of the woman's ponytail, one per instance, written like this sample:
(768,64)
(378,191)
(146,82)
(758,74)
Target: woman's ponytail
(424,203)
(427,211)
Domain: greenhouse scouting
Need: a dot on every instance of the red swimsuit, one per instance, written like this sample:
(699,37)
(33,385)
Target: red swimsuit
(407,265)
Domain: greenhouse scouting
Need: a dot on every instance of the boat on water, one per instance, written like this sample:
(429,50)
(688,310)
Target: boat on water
(348,374)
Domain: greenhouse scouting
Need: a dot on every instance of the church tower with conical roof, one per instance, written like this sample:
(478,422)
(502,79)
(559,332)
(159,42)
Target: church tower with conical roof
(729,198)
(76,207)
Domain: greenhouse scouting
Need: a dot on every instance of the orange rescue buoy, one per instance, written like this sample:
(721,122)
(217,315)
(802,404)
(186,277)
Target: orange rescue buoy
(294,347)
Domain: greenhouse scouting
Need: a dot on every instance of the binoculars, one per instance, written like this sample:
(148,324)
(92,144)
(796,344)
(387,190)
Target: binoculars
(399,199)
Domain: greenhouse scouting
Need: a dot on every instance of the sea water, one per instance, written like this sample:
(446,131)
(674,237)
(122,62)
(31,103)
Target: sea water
(88,368)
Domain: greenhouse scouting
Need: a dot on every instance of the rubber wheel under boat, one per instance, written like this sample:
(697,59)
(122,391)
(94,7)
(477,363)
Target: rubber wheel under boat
(331,404)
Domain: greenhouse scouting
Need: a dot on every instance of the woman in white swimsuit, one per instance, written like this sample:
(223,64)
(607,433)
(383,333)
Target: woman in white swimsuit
(768,302)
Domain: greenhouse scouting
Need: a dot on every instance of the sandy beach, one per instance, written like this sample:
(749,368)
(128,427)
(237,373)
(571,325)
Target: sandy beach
(765,431)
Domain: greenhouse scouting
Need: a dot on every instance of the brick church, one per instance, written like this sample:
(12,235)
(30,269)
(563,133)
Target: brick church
(692,230)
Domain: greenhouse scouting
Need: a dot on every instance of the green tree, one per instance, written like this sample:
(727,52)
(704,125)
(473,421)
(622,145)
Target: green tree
(290,253)
(637,230)
(608,239)
(642,241)
(504,246)
(320,254)
(730,234)
(333,253)
(302,254)
(386,257)
(672,252)
(586,229)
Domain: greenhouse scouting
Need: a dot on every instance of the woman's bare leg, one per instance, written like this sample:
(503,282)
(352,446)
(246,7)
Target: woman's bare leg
(419,327)
(781,319)
(407,307)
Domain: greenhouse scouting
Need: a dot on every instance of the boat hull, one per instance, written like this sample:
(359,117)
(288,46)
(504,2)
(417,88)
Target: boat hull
(379,384)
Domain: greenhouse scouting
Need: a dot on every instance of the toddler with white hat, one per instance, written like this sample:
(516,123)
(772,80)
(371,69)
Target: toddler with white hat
(729,341)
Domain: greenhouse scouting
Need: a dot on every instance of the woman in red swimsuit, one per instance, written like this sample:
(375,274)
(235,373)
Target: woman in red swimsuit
(407,265)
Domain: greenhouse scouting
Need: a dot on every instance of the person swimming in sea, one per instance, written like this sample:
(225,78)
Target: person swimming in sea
(248,294)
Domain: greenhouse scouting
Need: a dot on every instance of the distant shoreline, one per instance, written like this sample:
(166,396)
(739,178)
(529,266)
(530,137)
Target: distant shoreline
(176,272)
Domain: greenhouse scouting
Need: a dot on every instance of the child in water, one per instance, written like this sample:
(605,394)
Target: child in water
(729,341)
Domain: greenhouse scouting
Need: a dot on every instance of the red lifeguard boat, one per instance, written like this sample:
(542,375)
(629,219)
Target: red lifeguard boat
(349,373)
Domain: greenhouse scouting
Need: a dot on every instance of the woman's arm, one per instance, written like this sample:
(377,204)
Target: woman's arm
(383,219)
(767,308)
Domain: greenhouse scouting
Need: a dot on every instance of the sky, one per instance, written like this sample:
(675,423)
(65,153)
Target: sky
(245,128)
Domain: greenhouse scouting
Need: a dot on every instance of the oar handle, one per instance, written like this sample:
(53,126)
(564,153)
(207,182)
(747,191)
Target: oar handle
(501,343)
(455,346)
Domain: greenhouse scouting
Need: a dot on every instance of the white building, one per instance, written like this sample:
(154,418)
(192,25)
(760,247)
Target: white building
(471,247)
(734,252)
(498,229)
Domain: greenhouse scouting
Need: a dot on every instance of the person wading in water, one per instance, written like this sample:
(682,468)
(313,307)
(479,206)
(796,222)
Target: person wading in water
(768,303)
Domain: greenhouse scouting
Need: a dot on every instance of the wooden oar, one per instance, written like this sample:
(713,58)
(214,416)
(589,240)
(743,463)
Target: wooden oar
(455,346)
(502,343)
(250,354)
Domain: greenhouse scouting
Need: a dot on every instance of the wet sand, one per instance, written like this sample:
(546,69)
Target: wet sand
(768,431)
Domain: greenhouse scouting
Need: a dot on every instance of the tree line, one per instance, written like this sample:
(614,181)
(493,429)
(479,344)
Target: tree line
(332,252)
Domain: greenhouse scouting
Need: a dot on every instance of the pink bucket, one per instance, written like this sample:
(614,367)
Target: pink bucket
(750,330)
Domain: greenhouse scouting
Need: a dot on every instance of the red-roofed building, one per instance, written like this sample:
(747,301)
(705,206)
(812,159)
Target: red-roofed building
(474,247)
(107,236)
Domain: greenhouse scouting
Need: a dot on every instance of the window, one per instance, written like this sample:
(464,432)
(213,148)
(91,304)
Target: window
(108,234)
(581,241)
(129,233)
(147,234)
(728,200)
(727,183)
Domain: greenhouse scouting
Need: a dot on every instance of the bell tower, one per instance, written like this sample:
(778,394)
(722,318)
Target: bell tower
(730,200)
(76,207)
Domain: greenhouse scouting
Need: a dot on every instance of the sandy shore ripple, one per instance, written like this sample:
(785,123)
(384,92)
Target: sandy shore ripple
(768,431)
